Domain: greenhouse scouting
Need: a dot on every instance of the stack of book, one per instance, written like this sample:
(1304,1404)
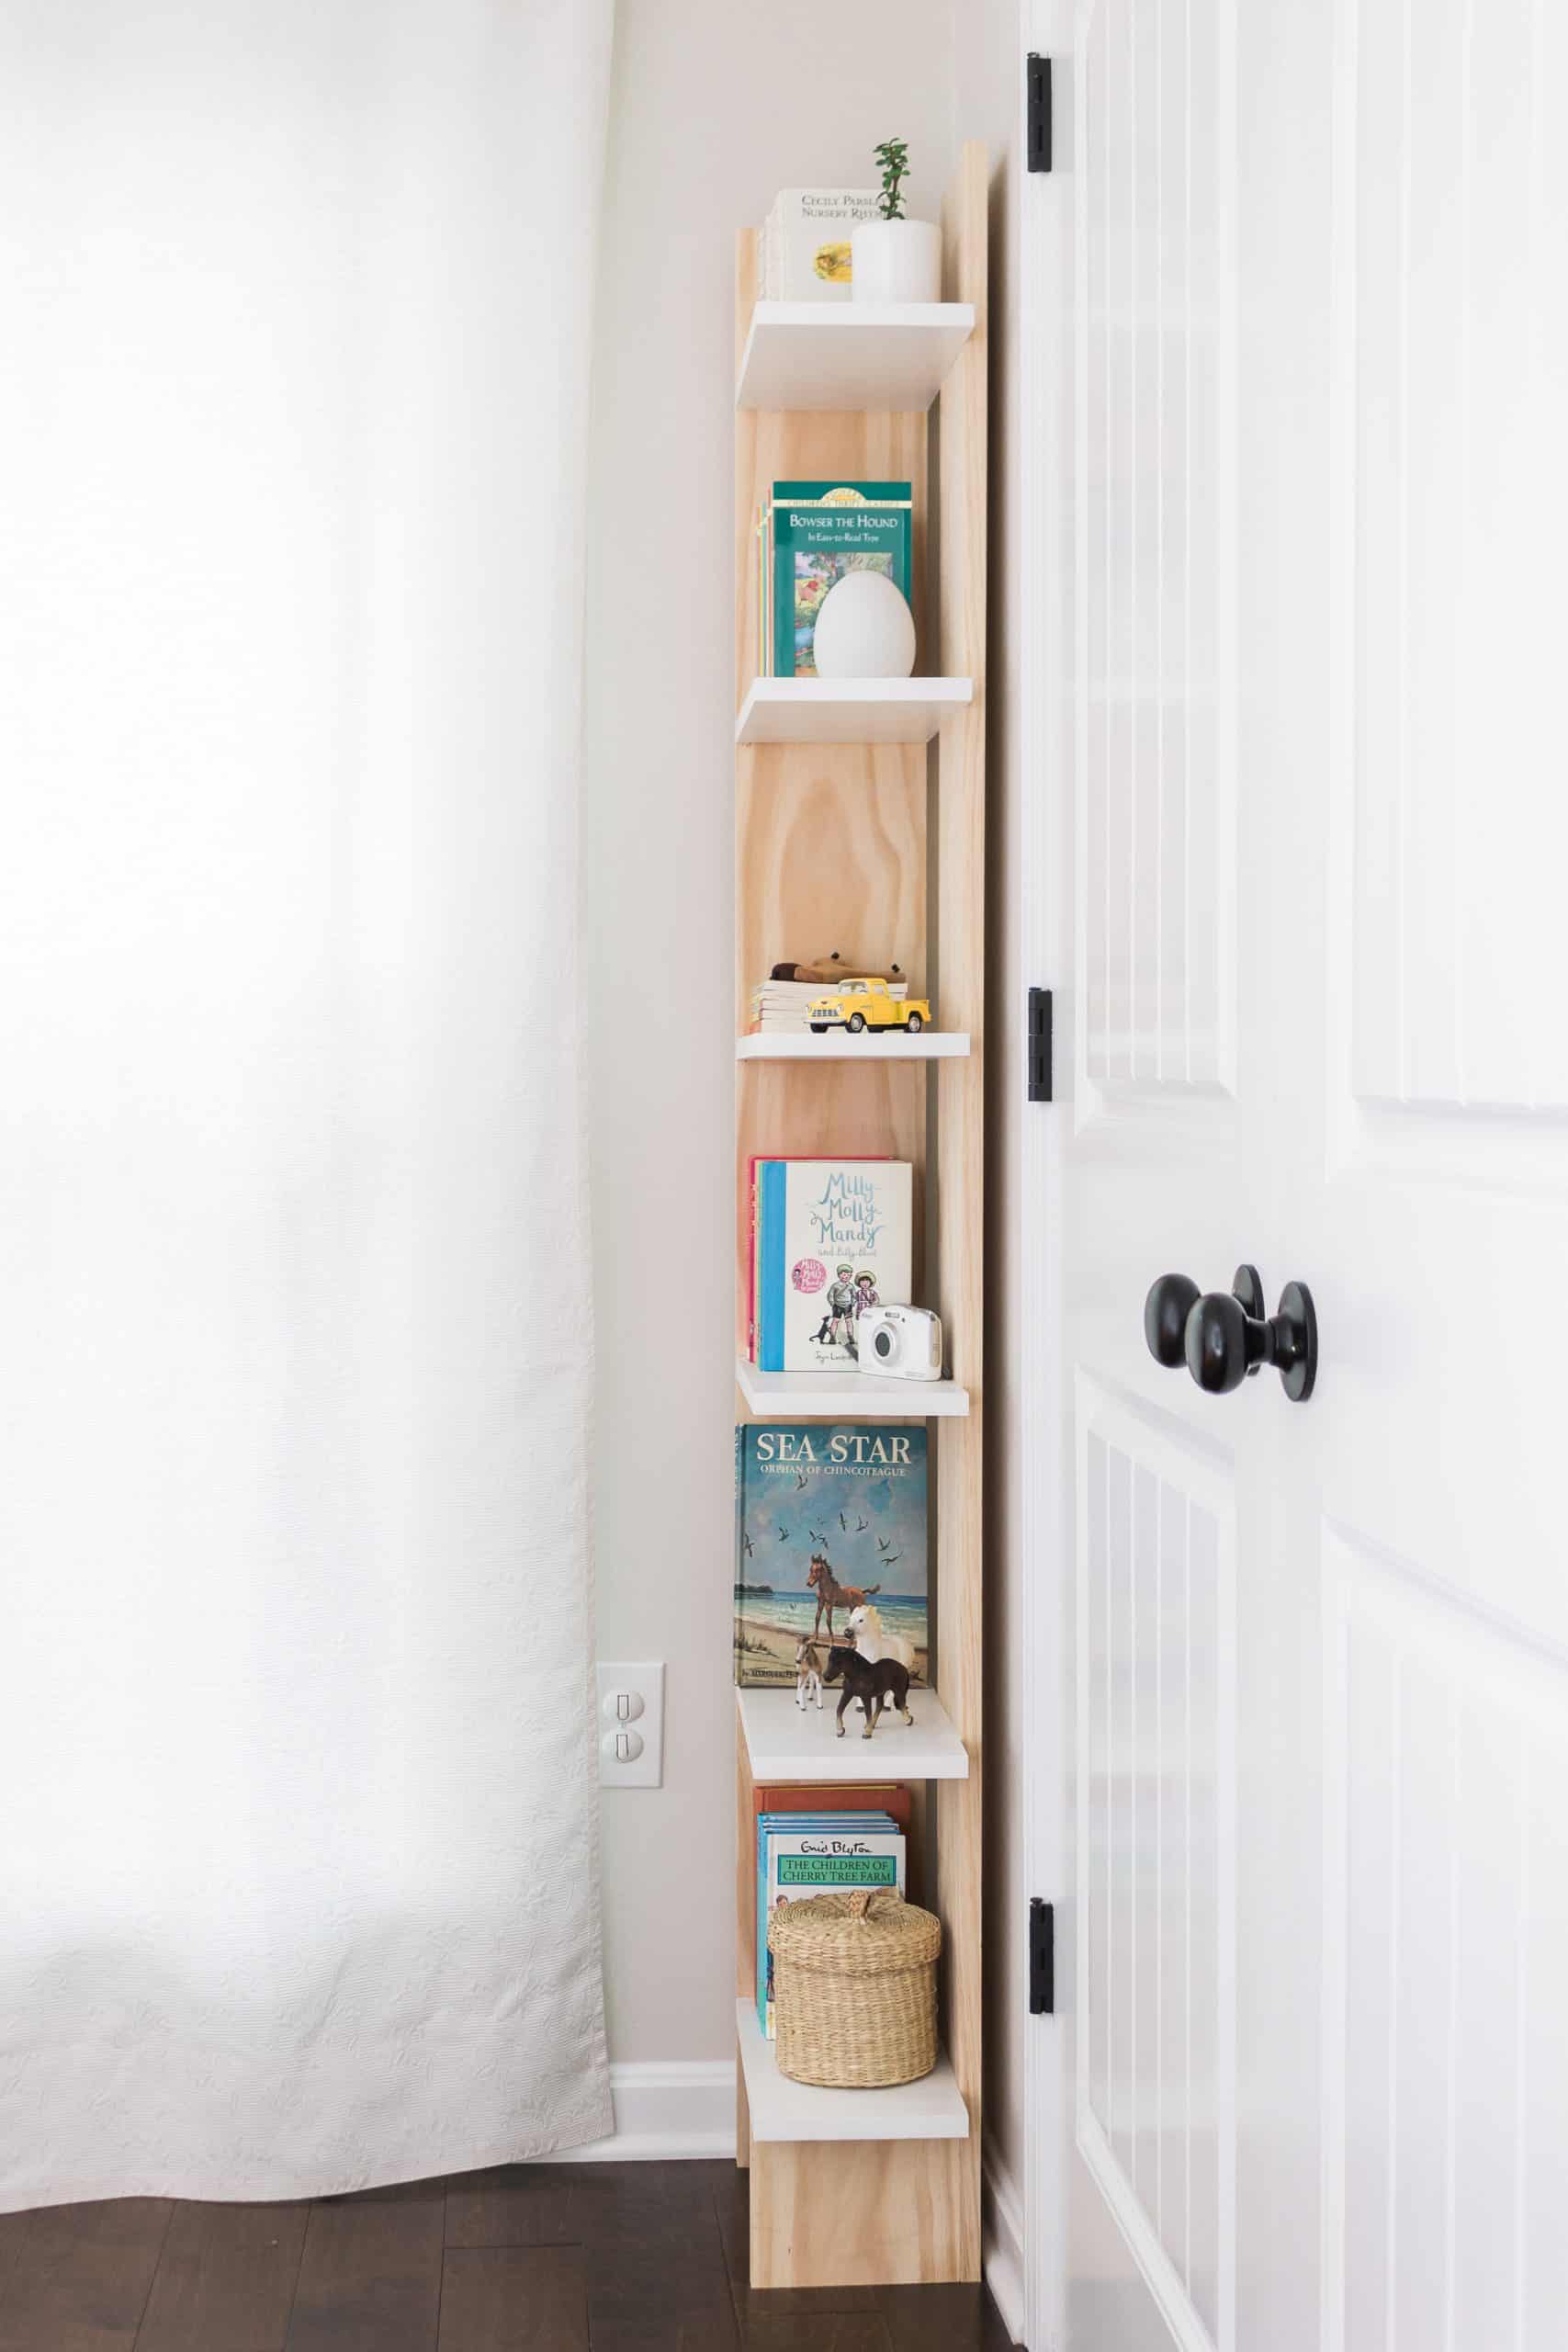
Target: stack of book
(803,243)
(808,535)
(781,1005)
(822,1841)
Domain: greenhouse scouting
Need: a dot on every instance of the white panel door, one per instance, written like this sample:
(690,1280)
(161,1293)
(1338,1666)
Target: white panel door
(1304,509)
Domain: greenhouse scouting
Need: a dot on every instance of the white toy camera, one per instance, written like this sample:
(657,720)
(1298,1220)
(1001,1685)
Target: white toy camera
(904,1342)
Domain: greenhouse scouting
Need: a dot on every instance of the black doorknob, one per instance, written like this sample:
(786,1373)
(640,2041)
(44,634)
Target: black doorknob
(1170,1302)
(1166,1309)
(1225,1335)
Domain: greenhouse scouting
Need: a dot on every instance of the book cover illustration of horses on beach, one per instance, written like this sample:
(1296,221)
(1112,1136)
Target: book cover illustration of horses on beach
(827,1516)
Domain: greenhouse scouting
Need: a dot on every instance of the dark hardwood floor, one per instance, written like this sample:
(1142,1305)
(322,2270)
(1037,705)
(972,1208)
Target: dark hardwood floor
(531,2259)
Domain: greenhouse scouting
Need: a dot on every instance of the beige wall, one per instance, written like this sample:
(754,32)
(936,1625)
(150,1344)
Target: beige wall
(717,103)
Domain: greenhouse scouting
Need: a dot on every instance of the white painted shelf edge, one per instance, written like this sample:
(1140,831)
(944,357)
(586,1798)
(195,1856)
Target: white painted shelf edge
(818,356)
(852,1395)
(931,2108)
(848,710)
(838,1046)
(789,1743)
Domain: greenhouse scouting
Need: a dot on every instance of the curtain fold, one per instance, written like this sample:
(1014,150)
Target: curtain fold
(299,1832)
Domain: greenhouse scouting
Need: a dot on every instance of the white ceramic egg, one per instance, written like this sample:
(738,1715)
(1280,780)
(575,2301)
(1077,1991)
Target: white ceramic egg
(864,630)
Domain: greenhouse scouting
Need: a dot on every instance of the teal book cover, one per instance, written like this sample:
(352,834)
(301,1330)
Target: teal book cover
(828,1515)
(820,530)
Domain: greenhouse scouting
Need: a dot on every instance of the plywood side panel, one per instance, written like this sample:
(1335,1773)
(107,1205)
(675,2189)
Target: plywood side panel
(820,1108)
(745,1924)
(831,847)
(830,856)
(847,445)
(959,1160)
(745,1870)
(859,2212)
(794,446)
(831,842)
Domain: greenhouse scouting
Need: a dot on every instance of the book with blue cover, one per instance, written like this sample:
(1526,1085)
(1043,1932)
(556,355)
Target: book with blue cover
(829,1515)
(803,1854)
(833,1237)
(817,531)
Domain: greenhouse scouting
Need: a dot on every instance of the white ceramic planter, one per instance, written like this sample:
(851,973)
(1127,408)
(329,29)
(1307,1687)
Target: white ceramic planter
(897,261)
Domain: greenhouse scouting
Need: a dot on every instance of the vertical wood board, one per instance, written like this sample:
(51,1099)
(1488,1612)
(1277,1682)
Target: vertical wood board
(959,1168)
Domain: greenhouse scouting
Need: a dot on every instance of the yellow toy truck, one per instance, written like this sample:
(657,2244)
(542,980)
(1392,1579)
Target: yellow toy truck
(855,1005)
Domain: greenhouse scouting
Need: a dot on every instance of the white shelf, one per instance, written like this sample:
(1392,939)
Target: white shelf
(871,1046)
(851,355)
(789,1743)
(931,2108)
(850,1395)
(848,710)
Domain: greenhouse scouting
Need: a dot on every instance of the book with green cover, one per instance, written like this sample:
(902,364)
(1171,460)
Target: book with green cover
(820,530)
(803,1854)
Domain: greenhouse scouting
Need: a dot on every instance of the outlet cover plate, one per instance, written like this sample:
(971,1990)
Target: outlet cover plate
(647,1770)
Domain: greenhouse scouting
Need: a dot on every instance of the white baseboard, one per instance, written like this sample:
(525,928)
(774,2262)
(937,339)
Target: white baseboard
(680,2108)
(1002,2242)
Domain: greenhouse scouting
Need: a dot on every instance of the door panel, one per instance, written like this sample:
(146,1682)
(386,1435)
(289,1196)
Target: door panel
(1446,1897)
(1156,884)
(1453,204)
(1447,1142)
(1156,1851)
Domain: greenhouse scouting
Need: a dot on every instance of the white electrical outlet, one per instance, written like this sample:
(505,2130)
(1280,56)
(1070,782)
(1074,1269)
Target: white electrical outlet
(630,1724)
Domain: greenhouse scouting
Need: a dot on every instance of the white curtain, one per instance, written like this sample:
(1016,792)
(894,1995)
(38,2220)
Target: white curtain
(298,1806)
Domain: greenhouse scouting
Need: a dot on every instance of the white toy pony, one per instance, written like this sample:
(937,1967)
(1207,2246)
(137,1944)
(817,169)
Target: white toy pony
(807,1672)
(873,1642)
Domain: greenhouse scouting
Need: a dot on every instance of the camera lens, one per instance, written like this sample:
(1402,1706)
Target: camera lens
(884,1343)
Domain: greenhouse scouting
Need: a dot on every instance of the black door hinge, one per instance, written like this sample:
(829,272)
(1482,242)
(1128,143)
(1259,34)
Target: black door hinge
(1039,115)
(1040,1045)
(1041,1958)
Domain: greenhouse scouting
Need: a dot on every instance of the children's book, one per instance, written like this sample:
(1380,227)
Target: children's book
(816,1796)
(757,1162)
(833,1238)
(806,238)
(800,1855)
(827,1514)
(819,530)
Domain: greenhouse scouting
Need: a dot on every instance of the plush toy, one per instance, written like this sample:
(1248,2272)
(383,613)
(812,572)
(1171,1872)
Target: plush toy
(827,968)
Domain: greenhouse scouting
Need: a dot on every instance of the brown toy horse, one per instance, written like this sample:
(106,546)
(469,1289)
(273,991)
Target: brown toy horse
(831,1594)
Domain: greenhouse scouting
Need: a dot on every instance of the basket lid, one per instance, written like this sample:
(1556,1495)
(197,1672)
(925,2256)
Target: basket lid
(866,1933)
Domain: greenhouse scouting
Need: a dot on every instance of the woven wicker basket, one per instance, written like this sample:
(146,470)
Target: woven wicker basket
(854,1989)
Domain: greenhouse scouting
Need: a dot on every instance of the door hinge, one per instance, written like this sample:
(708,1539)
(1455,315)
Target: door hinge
(1041,1958)
(1040,1045)
(1038,119)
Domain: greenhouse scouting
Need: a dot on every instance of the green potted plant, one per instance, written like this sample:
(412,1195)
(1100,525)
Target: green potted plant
(895,259)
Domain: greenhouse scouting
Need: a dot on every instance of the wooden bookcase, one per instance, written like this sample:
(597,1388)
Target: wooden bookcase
(861,817)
